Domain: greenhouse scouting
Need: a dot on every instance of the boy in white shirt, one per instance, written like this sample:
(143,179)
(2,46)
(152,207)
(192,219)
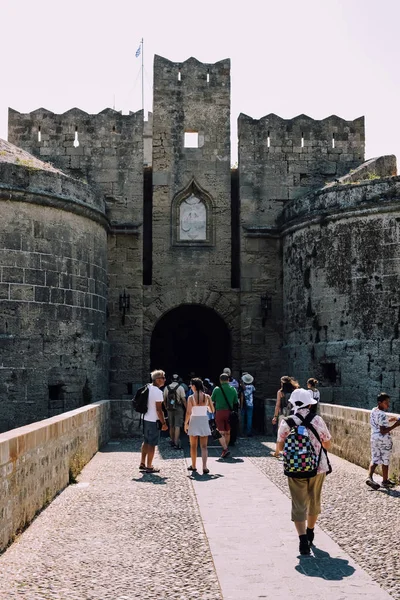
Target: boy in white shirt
(381,442)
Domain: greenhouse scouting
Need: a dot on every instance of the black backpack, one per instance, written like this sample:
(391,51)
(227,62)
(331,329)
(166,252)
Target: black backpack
(172,397)
(141,399)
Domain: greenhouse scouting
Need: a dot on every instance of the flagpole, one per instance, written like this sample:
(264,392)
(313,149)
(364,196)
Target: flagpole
(142,81)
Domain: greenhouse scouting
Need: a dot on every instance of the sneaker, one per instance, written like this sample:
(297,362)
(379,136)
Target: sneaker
(372,484)
(304,546)
(225,453)
(310,535)
(388,484)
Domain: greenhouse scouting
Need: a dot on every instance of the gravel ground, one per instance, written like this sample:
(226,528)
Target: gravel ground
(116,535)
(364,522)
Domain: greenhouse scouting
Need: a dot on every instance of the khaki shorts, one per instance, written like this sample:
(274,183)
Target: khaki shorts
(175,417)
(306,496)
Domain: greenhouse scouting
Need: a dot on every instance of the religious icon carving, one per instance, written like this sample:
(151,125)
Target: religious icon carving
(192,219)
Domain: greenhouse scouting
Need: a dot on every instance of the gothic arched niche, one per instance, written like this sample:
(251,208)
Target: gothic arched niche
(192,217)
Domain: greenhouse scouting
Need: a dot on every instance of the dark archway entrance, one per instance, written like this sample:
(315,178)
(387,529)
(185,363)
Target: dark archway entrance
(191,339)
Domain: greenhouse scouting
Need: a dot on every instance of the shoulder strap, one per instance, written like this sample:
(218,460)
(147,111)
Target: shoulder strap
(307,423)
(226,399)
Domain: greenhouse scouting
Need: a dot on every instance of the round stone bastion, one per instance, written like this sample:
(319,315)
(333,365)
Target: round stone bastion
(53,290)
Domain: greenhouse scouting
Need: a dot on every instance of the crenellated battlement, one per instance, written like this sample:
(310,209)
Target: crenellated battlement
(103,149)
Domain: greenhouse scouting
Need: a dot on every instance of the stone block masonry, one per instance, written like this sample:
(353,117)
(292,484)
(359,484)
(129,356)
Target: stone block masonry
(37,462)
(53,274)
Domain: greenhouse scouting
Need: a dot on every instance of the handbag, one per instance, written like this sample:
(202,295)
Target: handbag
(233,416)
(215,433)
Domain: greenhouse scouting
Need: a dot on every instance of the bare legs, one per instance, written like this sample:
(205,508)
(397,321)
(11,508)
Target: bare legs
(203,447)
(224,440)
(385,471)
(301,526)
(147,453)
(193,449)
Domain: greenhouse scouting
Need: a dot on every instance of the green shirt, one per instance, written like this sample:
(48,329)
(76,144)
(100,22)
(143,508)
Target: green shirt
(219,399)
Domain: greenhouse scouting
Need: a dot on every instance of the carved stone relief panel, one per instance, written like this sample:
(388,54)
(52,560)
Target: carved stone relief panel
(192,219)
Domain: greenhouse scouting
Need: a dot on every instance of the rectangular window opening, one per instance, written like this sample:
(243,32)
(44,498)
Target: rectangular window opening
(208,75)
(179,75)
(39,135)
(333,140)
(268,140)
(191,139)
(302,140)
(329,372)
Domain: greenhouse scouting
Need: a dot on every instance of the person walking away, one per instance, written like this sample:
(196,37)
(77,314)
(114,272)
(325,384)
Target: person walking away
(197,423)
(314,391)
(175,403)
(381,442)
(208,386)
(305,490)
(225,399)
(235,423)
(288,385)
(247,390)
(153,421)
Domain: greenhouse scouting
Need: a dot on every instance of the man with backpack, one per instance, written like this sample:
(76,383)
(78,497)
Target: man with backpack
(304,439)
(175,403)
(153,419)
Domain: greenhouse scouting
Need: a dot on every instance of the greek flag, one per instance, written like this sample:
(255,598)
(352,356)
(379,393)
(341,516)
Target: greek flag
(137,53)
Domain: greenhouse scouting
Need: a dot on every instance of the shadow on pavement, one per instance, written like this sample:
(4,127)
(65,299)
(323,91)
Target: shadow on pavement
(322,564)
(209,477)
(151,478)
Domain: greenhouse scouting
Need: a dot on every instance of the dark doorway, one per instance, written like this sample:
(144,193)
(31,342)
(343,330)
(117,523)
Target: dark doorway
(191,339)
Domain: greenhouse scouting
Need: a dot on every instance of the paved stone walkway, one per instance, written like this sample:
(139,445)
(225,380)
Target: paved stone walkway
(226,536)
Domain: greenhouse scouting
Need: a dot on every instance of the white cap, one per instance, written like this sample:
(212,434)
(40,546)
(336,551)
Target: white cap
(300,398)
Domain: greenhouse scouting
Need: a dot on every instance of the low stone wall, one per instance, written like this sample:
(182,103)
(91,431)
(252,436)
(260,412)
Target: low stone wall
(351,432)
(37,462)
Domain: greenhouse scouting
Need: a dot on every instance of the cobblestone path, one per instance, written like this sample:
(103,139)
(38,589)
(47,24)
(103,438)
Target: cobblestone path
(121,535)
(116,535)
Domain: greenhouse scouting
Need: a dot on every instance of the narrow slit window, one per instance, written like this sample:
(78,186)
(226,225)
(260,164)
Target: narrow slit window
(191,139)
(39,134)
(302,140)
(179,75)
(333,140)
(268,140)
(76,140)
(208,75)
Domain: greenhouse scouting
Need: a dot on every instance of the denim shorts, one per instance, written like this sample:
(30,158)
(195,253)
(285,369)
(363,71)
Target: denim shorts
(151,433)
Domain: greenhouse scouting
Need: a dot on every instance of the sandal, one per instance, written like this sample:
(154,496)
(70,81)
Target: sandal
(142,467)
(206,471)
(152,470)
(191,468)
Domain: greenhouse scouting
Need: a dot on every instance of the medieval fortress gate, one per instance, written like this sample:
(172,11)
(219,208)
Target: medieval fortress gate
(139,247)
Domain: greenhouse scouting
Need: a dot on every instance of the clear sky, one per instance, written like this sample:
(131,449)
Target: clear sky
(318,57)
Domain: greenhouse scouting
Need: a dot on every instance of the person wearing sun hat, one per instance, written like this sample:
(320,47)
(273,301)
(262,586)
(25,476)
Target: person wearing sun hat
(306,492)
(247,390)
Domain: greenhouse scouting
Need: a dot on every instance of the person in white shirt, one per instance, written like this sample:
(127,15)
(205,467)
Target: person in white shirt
(151,428)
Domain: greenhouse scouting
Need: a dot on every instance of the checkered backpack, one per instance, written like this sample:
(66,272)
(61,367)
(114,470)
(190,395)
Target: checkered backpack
(299,456)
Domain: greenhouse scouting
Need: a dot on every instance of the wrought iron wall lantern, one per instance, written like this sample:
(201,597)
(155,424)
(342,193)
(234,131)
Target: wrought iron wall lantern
(124,305)
(265,307)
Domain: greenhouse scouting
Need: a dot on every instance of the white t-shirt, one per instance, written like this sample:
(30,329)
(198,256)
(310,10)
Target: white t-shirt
(155,395)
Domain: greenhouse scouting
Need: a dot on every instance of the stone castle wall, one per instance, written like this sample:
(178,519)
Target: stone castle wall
(109,157)
(341,275)
(53,290)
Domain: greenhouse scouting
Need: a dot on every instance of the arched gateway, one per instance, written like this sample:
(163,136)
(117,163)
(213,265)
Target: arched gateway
(191,339)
